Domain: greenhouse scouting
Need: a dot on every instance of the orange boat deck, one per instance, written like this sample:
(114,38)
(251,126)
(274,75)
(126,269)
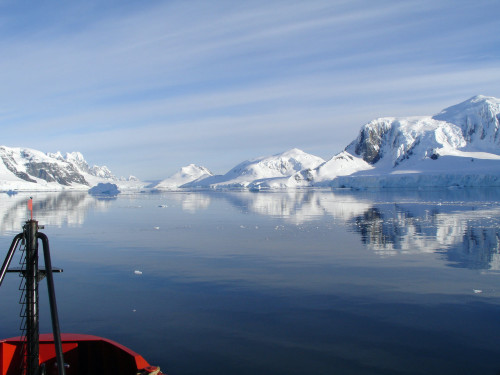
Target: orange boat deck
(83,354)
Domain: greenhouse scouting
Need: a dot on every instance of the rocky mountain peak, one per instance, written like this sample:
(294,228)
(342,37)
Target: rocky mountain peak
(478,117)
(370,140)
(473,124)
(36,167)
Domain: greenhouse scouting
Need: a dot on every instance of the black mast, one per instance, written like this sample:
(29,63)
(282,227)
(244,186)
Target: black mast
(31,276)
(31,297)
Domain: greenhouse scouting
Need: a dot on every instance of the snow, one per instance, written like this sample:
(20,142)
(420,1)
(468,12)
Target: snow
(343,164)
(459,146)
(442,150)
(258,172)
(419,151)
(24,169)
(75,156)
(185,175)
(478,119)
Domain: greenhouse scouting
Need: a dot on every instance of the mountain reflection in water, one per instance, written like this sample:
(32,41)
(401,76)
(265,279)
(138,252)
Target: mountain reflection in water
(56,209)
(290,282)
(461,224)
(465,233)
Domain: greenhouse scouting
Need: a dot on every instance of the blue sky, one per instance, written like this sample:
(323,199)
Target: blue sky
(146,87)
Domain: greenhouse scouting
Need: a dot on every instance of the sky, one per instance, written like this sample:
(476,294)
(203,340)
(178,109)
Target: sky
(147,87)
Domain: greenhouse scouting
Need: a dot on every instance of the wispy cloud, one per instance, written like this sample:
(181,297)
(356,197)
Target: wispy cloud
(229,80)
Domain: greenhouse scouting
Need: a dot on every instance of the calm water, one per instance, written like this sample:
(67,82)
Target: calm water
(308,282)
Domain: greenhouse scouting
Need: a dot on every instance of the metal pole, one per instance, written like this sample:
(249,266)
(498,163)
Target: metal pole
(9,256)
(31,275)
(53,305)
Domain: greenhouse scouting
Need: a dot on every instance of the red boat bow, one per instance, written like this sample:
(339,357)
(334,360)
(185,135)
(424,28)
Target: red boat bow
(83,354)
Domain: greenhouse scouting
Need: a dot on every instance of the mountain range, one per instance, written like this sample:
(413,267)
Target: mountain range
(460,146)
(32,170)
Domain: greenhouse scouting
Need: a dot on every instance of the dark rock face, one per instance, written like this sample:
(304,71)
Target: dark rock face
(369,143)
(305,174)
(51,172)
(30,165)
(11,166)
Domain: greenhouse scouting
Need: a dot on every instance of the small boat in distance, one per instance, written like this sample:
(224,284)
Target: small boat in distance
(33,353)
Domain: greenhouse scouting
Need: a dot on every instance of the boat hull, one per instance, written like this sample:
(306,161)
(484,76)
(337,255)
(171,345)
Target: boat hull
(83,354)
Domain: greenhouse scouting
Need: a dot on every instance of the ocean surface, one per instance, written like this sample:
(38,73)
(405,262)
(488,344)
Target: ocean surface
(297,282)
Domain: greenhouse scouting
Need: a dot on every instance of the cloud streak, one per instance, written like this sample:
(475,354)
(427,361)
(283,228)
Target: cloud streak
(177,82)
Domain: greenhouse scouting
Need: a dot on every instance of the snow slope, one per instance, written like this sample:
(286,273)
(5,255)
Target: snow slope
(187,174)
(260,171)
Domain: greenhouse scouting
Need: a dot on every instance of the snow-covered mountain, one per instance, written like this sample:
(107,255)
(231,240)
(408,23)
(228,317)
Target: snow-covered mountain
(459,146)
(187,174)
(28,169)
(256,172)
(77,160)
(472,126)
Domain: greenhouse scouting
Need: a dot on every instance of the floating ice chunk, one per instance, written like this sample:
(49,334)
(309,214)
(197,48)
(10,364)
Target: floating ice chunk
(107,189)
(138,272)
